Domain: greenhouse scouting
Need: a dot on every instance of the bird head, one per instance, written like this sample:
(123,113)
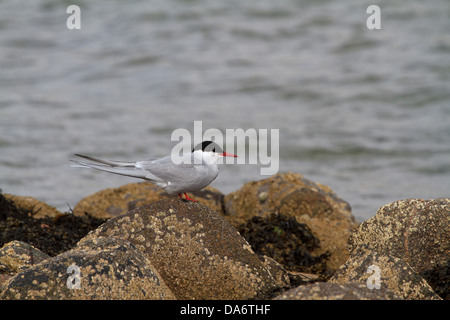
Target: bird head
(210,149)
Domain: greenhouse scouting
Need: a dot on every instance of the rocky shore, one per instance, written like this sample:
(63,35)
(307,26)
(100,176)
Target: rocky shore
(283,238)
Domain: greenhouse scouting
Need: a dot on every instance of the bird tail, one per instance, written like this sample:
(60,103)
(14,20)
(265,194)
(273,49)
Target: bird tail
(118,167)
(108,162)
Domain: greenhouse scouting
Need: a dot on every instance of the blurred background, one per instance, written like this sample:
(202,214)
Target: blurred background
(366,112)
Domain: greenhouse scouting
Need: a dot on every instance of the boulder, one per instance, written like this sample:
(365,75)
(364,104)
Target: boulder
(288,242)
(333,291)
(16,256)
(51,235)
(32,206)
(291,195)
(389,272)
(113,202)
(195,250)
(416,231)
(276,270)
(102,268)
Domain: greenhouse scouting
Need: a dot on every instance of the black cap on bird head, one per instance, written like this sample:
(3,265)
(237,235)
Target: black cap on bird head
(208,146)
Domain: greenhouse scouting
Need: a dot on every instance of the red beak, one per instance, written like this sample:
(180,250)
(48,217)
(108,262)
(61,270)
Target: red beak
(228,155)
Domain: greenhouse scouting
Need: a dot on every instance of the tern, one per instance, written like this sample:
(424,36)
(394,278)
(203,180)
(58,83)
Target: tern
(196,170)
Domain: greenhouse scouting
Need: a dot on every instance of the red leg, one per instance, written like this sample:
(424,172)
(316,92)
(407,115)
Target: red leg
(186,197)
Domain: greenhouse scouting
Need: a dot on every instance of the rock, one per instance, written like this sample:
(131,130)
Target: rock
(277,272)
(333,291)
(416,231)
(113,202)
(52,235)
(108,269)
(196,251)
(291,195)
(288,242)
(286,279)
(299,278)
(16,256)
(34,207)
(393,274)
(210,197)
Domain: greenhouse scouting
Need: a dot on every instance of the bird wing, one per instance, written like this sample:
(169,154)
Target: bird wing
(180,177)
(168,169)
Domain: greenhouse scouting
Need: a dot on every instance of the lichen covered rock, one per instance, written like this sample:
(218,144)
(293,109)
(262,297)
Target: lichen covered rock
(197,252)
(113,202)
(103,268)
(384,271)
(333,291)
(16,256)
(416,231)
(38,208)
(291,195)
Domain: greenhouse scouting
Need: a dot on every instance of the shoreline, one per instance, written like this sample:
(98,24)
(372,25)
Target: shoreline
(296,238)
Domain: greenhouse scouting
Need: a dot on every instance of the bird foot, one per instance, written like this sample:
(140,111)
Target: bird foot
(186,197)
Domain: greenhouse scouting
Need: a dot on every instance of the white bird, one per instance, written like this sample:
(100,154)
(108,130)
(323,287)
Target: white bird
(196,170)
